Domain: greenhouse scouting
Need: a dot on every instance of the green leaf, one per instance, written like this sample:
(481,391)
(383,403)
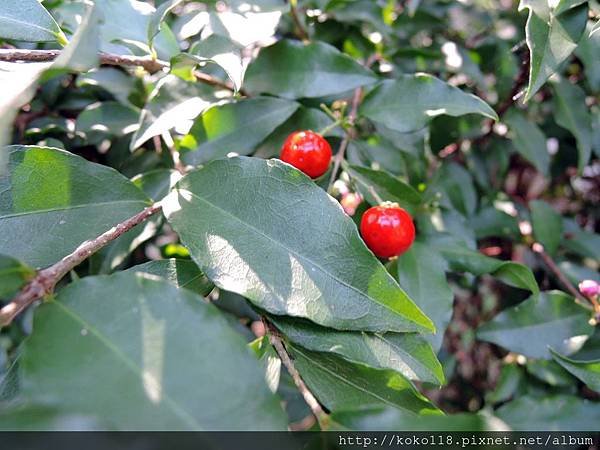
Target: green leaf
(411,101)
(173,102)
(279,218)
(510,379)
(549,372)
(552,413)
(588,50)
(421,272)
(405,353)
(339,384)
(586,371)
(223,52)
(179,272)
(552,35)
(595,28)
(13,275)
(550,319)
(45,418)
(51,193)
(572,113)
(107,118)
(547,225)
(19,80)
(463,259)
(529,140)
(388,187)
(393,419)
(157,18)
(128,21)
(292,69)
(81,54)
(584,243)
(114,81)
(234,127)
(156,184)
(456,189)
(28,20)
(303,119)
(143,344)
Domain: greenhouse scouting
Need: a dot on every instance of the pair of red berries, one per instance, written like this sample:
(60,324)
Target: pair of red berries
(387,229)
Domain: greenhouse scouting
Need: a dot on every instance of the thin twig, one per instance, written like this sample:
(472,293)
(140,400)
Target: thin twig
(309,398)
(300,31)
(45,280)
(339,156)
(147,62)
(539,249)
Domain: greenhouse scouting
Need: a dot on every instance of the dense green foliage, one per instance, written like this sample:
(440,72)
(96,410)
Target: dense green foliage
(480,117)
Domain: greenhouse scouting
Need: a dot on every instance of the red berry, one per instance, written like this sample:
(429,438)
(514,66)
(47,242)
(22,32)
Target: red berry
(387,229)
(307,151)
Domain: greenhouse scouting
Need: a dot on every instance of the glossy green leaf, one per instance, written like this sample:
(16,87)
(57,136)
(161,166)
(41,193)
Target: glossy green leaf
(552,33)
(339,384)
(279,218)
(246,26)
(572,113)
(157,18)
(234,127)
(50,193)
(421,272)
(550,319)
(387,187)
(13,275)
(406,353)
(529,140)
(28,20)
(409,102)
(173,102)
(547,225)
(142,344)
(463,259)
(179,272)
(226,54)
(552,413)
(292,69)
(586,371)
(129,21)
(588,50)
(107,118)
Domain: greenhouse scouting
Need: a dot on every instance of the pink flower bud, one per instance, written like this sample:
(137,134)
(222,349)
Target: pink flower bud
(589,288)
(350,202)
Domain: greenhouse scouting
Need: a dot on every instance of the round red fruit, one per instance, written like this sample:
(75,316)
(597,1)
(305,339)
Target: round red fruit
(307,151)
(387,229)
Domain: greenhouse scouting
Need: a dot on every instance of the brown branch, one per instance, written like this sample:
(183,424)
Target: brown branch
(539,249)
(309,398)
(339,156)
(148,63)
(44,282)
